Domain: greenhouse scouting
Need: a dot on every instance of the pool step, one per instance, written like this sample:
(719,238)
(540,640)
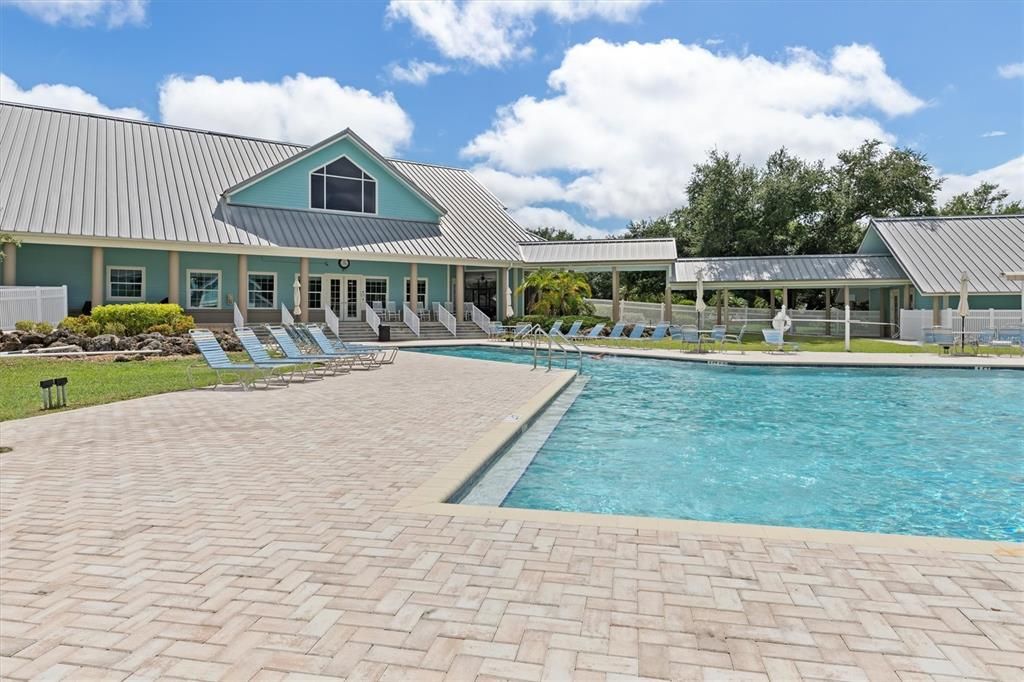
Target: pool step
(498,481)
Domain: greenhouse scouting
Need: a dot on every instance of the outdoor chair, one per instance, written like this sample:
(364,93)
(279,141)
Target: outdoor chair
(556,327)
(659,332)
(717,336)
(735,338)
(336,364)
(496,330)
(378,308)
(257,352)
(366,357)
(574,330)
(391,309)
(245,374)
(775,342)
(638,330)
(593,333)
(688,335)
(944,338)
(616,332)
(386,355)
(1009,337)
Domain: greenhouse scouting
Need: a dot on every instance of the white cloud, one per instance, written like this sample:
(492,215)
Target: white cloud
(491,33)
(114,13)
(541,216)
(627,122)
(417,72)
(1009,176)
(516,191)
(712,42)
(60,96)
(297,109)
(994,133)
(1014,70)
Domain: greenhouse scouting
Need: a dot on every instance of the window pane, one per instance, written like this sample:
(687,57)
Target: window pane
(344,195)
(204,290)
(125,283)
(261,291)
(344,168)
(316,191)
(313,298)
(377,292)
(369,196)
(321,170)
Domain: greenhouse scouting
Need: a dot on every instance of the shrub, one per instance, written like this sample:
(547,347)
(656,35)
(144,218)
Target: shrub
(138,317)
(115,328)
(164,329)
(82,325)
(183,324)
(43,328)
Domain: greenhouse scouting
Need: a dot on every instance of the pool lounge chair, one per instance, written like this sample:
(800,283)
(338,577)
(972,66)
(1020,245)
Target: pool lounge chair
(616,332)
(735,338)
(687,335)
(385,355)
(717,336)
(592,334)
(659,332)
(370,359)
(556,327)
(257,352)
(245,374)
(944,338)
(638,330)
(335,363)
(574,329)
(776,343)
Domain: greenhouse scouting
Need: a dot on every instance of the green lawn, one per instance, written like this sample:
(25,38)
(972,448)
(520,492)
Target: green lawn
(90,382)
(813,344)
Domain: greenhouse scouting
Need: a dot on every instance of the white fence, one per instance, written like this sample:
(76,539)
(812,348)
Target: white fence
(372,318)
(332,321)
(479,318)
(446,318)
(35,304)
(914,322)
(411,319)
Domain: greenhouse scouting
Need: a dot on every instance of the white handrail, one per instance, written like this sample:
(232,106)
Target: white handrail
(445,318)
(286,316)
(332,321)
(372,318)
(239,319)
(411,319)
(479,318)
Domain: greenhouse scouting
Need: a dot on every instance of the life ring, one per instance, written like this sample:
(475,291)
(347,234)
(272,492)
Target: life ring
(782,321)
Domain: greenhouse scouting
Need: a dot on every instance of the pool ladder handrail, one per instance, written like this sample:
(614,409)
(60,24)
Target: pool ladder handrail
(556,342)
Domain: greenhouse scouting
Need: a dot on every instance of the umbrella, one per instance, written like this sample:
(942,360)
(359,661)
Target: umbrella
(700,305)
(963,310)
(297,295)
(508,296)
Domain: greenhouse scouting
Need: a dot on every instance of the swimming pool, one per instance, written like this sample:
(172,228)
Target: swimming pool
(907,451)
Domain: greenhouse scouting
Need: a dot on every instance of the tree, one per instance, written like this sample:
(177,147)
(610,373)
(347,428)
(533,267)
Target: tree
(558,292)
(553,234)
(7,239)
(721,211)
(985,199)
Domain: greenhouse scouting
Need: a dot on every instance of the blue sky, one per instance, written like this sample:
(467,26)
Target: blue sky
(579,114)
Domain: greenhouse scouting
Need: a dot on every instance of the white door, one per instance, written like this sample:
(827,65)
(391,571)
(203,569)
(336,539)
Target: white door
(333,287)
(354,296)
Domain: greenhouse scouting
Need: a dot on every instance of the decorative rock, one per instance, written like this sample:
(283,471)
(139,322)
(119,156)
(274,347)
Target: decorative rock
(122,358)
(103,342)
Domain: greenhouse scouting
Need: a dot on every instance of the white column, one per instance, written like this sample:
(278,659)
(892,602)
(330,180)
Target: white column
(304,288)
(414,287)
(242,298)
(10,264)
(828,311)
(460,292)
(725,307)
(97,276)
(936,311)
(666,314)
(615,295)
(173,279)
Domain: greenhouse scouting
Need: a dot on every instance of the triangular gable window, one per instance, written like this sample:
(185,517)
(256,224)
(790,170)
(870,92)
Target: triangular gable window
(342,186)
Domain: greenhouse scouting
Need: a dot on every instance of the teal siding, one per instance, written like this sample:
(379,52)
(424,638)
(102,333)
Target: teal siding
(227,264)
(155,263)
(872,243)
(979,302)
(45,265)
(289,187)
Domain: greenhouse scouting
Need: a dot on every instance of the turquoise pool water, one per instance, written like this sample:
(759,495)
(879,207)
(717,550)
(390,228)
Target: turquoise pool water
(909,451)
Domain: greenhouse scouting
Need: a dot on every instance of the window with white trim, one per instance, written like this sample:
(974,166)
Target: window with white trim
(342,186)
(203,288)
(126,283)
(421,293)
(262,289)
(377,291)
(313,296)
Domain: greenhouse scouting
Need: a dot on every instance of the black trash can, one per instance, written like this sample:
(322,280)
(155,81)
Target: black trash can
(384,332)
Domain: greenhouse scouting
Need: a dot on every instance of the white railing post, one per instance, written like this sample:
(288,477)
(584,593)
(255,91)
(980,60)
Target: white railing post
(846,332)
(372,318)
(411,319)
(332,321)
(239,320)
(446,318)
(480,319)
(286,317)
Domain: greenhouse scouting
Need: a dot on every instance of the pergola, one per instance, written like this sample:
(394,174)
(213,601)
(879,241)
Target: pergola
(825,272)
(606,255)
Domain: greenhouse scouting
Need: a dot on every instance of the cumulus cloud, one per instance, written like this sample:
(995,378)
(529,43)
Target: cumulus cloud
(416,72)
(516,191)
(542,216)
(1009,176)
(299,108)
(60,96)
(491,33)
(113,13)
(626,122)
(1014,70)
(994,133)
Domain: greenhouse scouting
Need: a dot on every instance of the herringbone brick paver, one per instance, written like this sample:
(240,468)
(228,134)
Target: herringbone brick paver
(224,536)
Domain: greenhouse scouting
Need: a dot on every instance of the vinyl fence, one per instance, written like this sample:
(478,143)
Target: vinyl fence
(35,304)
(914,322)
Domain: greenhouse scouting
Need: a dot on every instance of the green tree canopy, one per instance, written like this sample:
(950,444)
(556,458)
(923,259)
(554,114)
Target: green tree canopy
(553,234)
(558,292)
(985,199)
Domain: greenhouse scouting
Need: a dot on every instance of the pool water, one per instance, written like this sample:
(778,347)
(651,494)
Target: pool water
(908,451)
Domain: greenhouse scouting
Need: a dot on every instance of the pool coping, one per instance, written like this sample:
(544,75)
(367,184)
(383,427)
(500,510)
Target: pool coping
(431,497)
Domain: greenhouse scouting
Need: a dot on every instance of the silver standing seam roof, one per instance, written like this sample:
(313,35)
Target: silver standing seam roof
(934,252)
(795,270)
(599,251)
(69,174)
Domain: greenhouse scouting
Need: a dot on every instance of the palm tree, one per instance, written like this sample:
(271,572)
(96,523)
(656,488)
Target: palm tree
(558,292)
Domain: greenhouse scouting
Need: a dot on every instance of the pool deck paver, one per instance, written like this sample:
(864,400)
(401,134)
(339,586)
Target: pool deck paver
(228,535)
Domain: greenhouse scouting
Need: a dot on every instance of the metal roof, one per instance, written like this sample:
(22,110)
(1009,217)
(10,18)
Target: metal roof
(600,251)
(795,270)
(87,176)
(934,252)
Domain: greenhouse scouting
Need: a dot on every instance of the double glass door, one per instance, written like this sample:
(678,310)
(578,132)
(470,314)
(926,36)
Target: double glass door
(346,295)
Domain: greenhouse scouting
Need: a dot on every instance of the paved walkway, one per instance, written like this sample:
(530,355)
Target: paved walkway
(230,536)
